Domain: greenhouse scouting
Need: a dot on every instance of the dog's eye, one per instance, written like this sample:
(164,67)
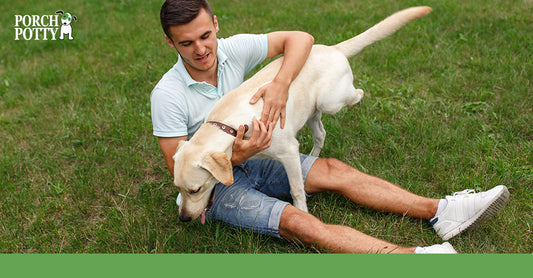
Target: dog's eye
(194,191)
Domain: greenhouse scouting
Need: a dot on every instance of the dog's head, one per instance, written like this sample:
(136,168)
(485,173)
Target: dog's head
(66,18)
(196,172)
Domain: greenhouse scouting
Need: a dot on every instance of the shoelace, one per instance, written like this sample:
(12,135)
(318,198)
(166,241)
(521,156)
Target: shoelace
(464,192)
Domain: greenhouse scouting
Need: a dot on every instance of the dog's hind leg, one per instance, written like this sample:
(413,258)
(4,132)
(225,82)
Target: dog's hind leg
(319,133)
(340,94)
(355,97)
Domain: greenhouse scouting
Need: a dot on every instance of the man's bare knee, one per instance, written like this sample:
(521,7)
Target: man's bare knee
(333,166)
(329,174)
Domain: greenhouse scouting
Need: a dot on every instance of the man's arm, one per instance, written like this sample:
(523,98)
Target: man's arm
(168,147)
(295,46)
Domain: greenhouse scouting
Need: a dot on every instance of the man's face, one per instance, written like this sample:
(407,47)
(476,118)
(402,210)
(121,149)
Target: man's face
(196,43)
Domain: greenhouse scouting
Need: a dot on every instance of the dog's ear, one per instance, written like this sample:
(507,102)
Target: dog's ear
(219,165)
(59,12)
(180,144)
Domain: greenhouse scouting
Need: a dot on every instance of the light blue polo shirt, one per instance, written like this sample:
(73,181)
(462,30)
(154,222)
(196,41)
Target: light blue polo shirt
(180,104)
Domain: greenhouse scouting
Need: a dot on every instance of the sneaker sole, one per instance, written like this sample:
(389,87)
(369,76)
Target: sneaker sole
(483,215)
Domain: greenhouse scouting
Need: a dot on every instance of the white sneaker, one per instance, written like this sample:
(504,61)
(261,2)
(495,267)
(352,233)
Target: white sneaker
(444,248)
(467,209)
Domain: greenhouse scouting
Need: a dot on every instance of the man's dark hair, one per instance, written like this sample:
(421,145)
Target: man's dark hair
(179,12)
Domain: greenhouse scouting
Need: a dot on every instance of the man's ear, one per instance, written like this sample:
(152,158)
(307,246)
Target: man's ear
(215,21)
(219,165)
(170,43)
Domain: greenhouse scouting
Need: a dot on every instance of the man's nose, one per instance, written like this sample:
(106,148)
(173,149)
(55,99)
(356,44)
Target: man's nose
(199,48)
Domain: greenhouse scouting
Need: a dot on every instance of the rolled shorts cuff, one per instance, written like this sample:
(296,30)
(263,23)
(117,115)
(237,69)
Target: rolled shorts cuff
(275,218)
(307,163)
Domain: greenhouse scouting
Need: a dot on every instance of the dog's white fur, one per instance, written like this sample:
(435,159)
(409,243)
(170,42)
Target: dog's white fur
(66,27)
(324,85)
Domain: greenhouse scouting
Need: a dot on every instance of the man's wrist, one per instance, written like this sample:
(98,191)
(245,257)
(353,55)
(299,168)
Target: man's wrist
(236,159)
(285,81)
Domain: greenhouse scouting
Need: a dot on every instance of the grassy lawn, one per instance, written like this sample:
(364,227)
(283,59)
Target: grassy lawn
(448,106)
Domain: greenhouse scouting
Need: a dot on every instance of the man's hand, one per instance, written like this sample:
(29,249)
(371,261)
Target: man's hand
(275,95)
(260,140)
(295,47)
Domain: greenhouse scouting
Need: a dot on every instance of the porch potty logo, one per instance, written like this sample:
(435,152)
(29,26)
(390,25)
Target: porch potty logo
(44,27)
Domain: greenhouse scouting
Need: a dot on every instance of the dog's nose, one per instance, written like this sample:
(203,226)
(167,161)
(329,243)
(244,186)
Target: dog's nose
(185,218)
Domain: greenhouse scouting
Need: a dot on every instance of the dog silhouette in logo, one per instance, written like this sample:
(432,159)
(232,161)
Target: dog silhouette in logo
(66,29)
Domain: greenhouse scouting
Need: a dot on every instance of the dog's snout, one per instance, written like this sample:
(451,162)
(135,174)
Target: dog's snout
(185,218)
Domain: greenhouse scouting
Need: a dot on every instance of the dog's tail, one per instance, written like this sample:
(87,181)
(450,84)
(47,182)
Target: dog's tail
(381,30)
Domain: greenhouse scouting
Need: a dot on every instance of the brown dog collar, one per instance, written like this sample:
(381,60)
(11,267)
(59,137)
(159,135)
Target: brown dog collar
(226,128)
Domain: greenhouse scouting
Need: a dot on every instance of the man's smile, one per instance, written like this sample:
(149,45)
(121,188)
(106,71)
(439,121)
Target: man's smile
(203,59)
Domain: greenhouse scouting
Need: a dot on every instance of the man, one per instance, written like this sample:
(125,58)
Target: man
(208,68)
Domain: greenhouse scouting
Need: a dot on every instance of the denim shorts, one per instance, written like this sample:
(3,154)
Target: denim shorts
(253,200)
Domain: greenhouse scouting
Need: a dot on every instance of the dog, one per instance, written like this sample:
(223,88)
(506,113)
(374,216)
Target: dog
(324,85)
(66,28)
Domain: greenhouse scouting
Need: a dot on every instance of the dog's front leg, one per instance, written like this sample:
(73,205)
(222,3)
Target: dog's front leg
(294,172)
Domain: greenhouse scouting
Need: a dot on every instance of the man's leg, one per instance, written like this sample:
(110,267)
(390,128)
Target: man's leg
(335,176)
(449,217)
(270,178)
(245,204)
(304,228)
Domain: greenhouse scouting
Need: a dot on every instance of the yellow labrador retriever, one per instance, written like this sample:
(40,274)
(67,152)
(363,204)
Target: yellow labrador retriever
(324,85)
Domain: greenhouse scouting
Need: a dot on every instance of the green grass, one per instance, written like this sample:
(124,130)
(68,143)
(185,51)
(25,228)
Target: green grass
(448,106)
